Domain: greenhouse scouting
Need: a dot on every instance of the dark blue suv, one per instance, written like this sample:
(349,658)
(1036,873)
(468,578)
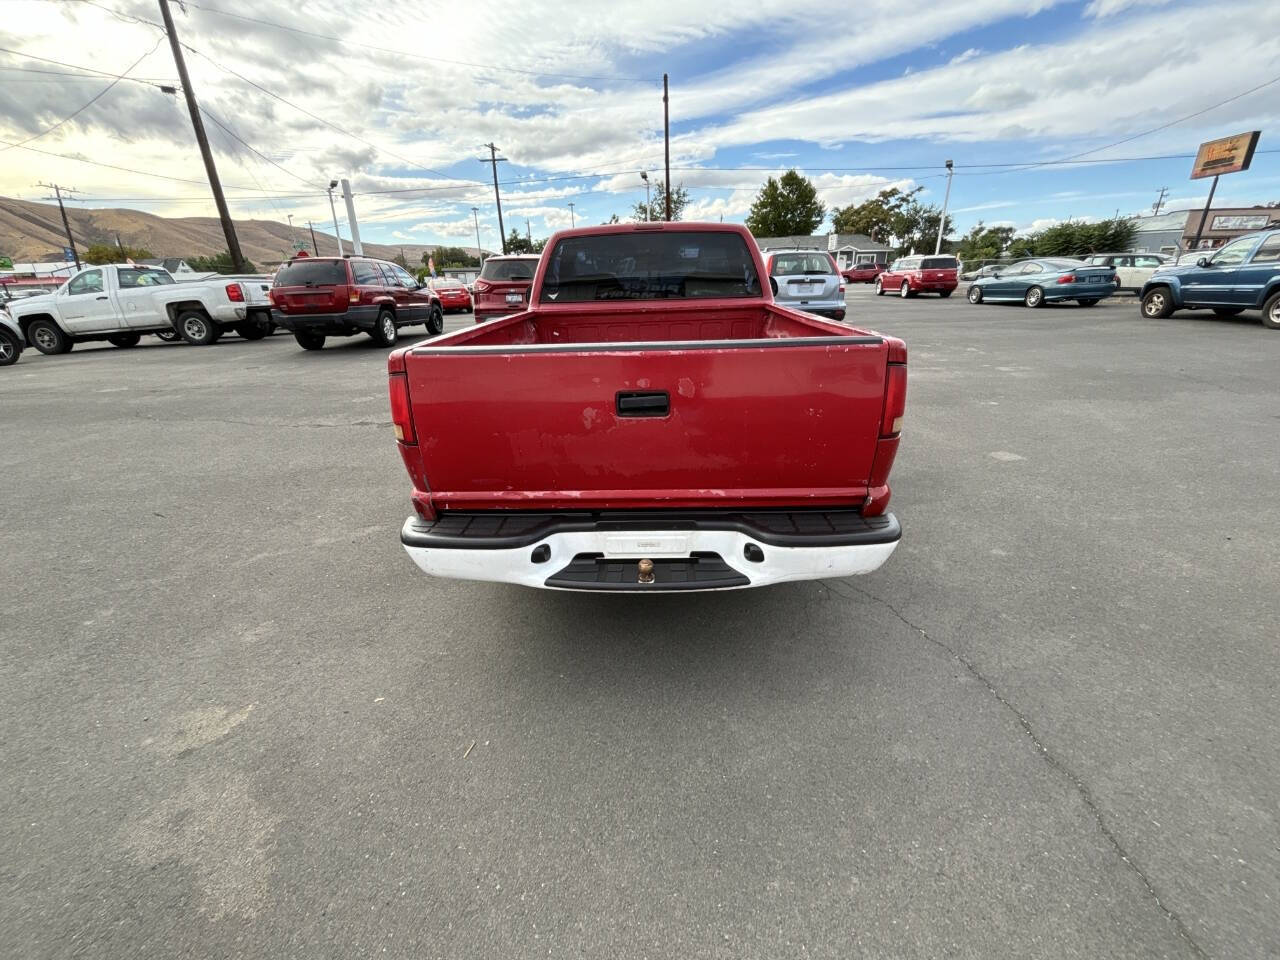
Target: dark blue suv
(1242,275)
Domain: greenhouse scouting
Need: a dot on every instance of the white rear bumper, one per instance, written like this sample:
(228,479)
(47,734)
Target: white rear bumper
(620,552)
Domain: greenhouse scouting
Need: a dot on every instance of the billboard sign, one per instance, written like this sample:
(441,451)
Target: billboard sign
(1228,155)
(1250,222)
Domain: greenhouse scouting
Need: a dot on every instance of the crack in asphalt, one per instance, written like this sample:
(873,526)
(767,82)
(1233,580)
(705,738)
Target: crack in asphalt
(1057,764)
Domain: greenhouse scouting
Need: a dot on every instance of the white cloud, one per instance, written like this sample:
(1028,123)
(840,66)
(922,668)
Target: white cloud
(1108,8)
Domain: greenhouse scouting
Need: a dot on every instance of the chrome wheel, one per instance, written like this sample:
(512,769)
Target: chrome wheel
(975,294)
(8,351)
(1154,305)
(193,328)
(905,290)
(388,328)
(1033,297)
(45,339)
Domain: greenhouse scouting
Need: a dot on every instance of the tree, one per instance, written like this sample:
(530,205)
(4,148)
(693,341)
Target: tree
(399,260)
(517,242)
(983,243)
(218,263)
(785,207)
(1072,238)
(657,209)
(109,253)
(450,258)
(894,217)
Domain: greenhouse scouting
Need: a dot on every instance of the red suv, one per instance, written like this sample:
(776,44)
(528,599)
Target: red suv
(912,275)
(503,285)
(862,272)
(318,297)
(452,293)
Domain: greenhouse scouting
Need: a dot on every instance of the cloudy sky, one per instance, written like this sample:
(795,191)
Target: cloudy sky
(399,97)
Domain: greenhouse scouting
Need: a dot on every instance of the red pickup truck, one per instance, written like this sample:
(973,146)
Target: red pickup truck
(652,422)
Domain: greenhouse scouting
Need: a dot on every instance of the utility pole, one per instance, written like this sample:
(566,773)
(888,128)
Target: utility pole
(334,210)
(66,225)
(475,215)
(315,248)
(1164,192)
(351,218)
(644,175)
(528,231)
(120,247)
(293,239)
(946,198)
(228,228)
(666,142)
(572,221)
(493,160)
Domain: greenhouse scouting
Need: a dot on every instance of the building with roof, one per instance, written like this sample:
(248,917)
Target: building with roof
(847,248)
(1174,233)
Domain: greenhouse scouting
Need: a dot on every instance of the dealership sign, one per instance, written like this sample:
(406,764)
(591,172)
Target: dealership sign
(1256,221)
(1228,155)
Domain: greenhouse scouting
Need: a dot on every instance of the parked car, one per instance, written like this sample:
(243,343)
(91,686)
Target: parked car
(653,421)
(120,302)
(1045,280)
(980,272)
(452,293)
(917,274)
(11,340)
(863,272)
(807,280)
(1132,269)
(503,285)
(319,297)
(1243,274)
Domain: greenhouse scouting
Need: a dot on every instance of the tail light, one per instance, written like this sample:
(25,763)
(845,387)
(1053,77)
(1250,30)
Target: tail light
(401,412)
(842,289)
(895,389)
(1067,278)
(354,296)
(481,286)
(235,293)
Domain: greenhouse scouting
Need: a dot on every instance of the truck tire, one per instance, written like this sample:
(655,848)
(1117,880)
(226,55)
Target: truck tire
(1157,304)
(1271,312)
(124,340)
(197,329)
(435,321)
(309,341)
(944,293)
(10,348)
(1033,298)
(47,337)
(384,332)
(169,336)
(249,330)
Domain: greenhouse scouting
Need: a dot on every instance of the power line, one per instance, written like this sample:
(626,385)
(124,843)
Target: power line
(319,119)
(254,150)
(101,93)
(415,56)
(84,70)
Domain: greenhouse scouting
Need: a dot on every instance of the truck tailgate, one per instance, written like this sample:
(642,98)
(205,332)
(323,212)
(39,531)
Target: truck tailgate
(774,421)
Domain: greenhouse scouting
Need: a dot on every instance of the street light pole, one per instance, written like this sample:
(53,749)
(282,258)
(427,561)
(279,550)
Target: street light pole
(475,214)
(572,222)
(666,143)
(946,197)
(644,175)
(334,210)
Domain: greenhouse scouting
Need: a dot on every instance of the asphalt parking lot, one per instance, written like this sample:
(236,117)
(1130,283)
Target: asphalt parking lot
(240,723)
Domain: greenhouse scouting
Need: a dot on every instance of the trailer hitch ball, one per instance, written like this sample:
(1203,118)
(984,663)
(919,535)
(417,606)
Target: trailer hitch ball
(645,571)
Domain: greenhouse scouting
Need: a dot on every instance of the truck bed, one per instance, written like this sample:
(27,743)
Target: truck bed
(673,405)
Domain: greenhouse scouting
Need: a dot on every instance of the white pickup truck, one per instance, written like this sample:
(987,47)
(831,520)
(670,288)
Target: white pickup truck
(120,302)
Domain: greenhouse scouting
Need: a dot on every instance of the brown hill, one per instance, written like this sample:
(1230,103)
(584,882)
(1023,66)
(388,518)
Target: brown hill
(33,231)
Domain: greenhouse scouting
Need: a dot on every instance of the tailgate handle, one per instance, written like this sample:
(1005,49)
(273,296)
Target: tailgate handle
(652,404)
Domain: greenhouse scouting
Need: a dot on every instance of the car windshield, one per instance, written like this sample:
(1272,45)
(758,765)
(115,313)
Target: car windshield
(508,269)
(651,266)
(786,264)
(310,273)
(142,277)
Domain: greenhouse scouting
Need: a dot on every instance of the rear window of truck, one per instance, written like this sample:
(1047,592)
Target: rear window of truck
(688,265)
(310,273)
(508,269)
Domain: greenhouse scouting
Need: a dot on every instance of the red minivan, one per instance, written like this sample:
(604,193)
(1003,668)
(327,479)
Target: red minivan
(503,285)
(912,275)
